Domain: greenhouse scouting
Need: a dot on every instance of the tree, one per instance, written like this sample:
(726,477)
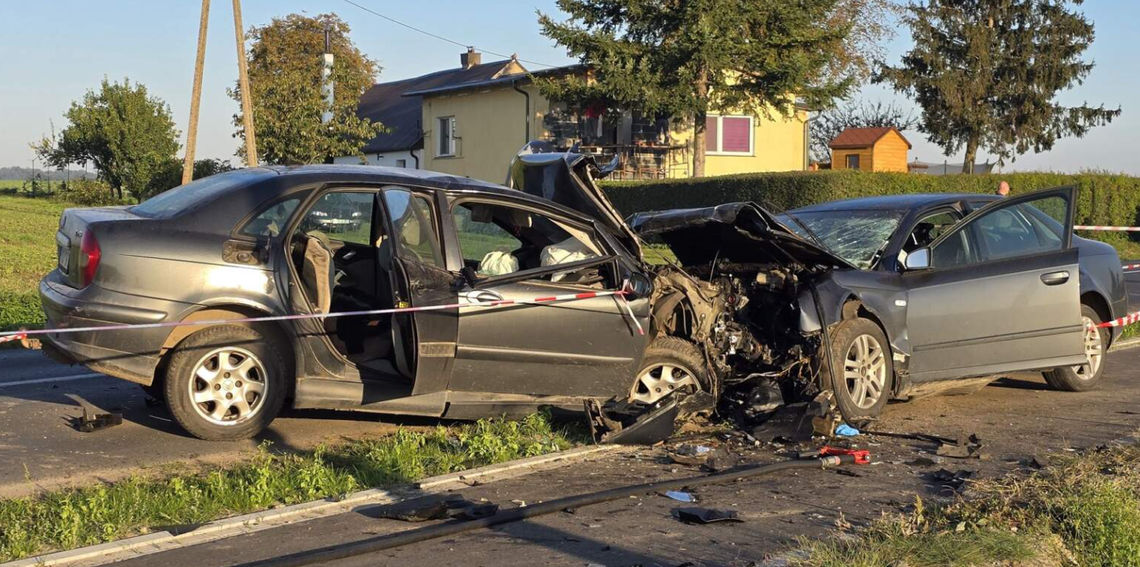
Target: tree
(857,114)
(872,24)
(169,175)
(125,133)
(987,72)
(685,58)
(285,64)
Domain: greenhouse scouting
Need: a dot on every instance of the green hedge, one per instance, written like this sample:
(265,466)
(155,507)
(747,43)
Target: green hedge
(1104,199)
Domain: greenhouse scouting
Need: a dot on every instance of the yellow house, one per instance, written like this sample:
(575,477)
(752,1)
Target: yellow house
(870,149)
(472,125)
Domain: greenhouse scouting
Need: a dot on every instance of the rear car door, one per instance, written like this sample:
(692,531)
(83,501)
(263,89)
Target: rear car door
(589,347)
(424,342)
(1002,292)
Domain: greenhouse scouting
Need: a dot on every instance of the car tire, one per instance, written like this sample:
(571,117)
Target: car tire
(670,364)
(226,383)
(862,354)
(1086,376)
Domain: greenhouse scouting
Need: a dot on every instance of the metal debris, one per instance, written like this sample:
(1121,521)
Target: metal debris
(94,418)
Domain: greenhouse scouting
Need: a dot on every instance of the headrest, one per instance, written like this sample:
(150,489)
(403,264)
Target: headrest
(520,219)
(481,213)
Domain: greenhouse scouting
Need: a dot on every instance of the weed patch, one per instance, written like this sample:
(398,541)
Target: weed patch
(1082,510)
(72,518)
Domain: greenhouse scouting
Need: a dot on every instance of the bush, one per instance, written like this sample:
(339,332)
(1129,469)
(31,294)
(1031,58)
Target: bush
(20,310)
(1103,199)
(90,193)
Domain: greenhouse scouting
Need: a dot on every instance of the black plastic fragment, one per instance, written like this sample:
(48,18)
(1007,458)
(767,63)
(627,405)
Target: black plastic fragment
(705,515)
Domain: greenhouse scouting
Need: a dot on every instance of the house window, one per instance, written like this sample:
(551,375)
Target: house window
(401,163)
(729,135)
(446,136)
(852,161)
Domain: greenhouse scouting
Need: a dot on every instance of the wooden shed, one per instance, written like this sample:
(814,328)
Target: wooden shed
(870,149)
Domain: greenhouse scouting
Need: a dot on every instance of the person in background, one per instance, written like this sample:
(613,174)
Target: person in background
(1003,189)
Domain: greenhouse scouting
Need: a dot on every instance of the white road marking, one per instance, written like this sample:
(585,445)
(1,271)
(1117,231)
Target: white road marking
(50,380)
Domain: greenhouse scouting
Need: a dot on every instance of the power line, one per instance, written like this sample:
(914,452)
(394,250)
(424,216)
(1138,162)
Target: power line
(440,37)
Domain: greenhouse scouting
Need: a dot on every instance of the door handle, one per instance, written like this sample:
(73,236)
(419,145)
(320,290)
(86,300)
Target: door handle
(482,296)
(1055,278)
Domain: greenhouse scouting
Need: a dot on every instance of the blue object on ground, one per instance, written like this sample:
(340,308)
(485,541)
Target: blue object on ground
(680,496)
(845,430)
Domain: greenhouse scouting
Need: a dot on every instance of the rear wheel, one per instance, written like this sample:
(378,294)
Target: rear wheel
(226,383)
(864,372)
(670,365)
(1085,376)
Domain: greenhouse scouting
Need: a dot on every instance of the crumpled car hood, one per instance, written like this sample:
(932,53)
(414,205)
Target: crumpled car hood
(567,178)
(735,232)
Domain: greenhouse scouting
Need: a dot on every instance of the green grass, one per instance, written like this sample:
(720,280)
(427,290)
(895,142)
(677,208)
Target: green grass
(27,253)
(1082,510)
(71,518)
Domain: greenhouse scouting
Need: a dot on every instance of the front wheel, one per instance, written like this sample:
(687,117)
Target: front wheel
(670,365)
(863,371)
(1085,376)
(225,383)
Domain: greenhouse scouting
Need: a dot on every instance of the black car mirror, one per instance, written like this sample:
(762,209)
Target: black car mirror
(638,286)
(469,276)
(918,259)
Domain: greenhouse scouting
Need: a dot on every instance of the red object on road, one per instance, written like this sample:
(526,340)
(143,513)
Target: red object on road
(862,456)
(16,337)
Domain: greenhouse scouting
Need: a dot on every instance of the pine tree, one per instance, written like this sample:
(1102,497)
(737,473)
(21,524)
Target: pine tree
(987,72)
(685,58)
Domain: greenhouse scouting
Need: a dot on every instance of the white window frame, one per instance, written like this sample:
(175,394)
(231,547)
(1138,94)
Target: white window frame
(720,135)
(450,129)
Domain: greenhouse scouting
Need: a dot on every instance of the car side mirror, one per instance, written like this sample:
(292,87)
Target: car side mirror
(638,285)
(469,276)
(918,260)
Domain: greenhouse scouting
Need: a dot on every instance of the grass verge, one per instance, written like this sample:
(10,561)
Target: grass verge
(27,252)
(78,517)
(1081,510)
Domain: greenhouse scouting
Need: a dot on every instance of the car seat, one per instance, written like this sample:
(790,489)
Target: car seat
(317,271)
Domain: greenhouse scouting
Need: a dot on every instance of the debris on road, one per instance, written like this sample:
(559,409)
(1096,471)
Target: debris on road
(94,418)
(964,448)
(845,430)
(435,507)
(680,496)
(952,480)
(705,515)
(632,423)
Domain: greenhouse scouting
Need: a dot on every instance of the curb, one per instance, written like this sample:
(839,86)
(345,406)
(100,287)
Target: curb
(157,542)
(1125,344)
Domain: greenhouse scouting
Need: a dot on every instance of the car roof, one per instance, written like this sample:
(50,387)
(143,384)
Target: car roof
(894,202)
(263,184)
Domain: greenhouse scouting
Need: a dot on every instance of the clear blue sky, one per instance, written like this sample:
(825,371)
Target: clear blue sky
(54,51)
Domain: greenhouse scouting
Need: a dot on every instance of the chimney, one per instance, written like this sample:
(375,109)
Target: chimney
(471,58)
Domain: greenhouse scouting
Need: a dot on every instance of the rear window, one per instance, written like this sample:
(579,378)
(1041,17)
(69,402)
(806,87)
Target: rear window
(174,201)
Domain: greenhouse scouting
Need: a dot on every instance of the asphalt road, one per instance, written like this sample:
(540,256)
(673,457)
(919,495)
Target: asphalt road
(41,449)
(1017,418)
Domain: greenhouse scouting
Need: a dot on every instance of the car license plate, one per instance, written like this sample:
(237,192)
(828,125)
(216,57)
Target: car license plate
(64,258)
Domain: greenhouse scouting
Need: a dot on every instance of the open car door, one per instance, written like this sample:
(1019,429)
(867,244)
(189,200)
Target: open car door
(423,342)
(999,292)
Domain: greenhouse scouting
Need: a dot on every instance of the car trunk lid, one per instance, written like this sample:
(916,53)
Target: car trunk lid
(734,232)
(569,180)
(74,224)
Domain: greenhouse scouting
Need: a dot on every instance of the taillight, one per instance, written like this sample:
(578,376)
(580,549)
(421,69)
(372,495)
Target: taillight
(89,256)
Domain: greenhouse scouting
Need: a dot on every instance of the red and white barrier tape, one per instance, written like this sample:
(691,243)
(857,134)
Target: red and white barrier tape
(1107,228)
(1127,267)
(13,337)
(1122,321)
(620,295)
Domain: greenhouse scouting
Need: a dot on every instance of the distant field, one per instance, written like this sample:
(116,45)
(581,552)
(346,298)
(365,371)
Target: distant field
(27,252)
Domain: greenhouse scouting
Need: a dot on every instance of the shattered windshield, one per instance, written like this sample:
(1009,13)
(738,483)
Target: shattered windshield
(855,236)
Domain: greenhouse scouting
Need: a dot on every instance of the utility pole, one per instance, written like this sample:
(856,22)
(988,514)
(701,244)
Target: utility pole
(196,97)
(327,83)
(243,84)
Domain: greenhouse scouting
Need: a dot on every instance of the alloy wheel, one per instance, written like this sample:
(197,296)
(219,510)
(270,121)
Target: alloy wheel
(865,371)
(1094,351)
(660,380)
(228,386)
